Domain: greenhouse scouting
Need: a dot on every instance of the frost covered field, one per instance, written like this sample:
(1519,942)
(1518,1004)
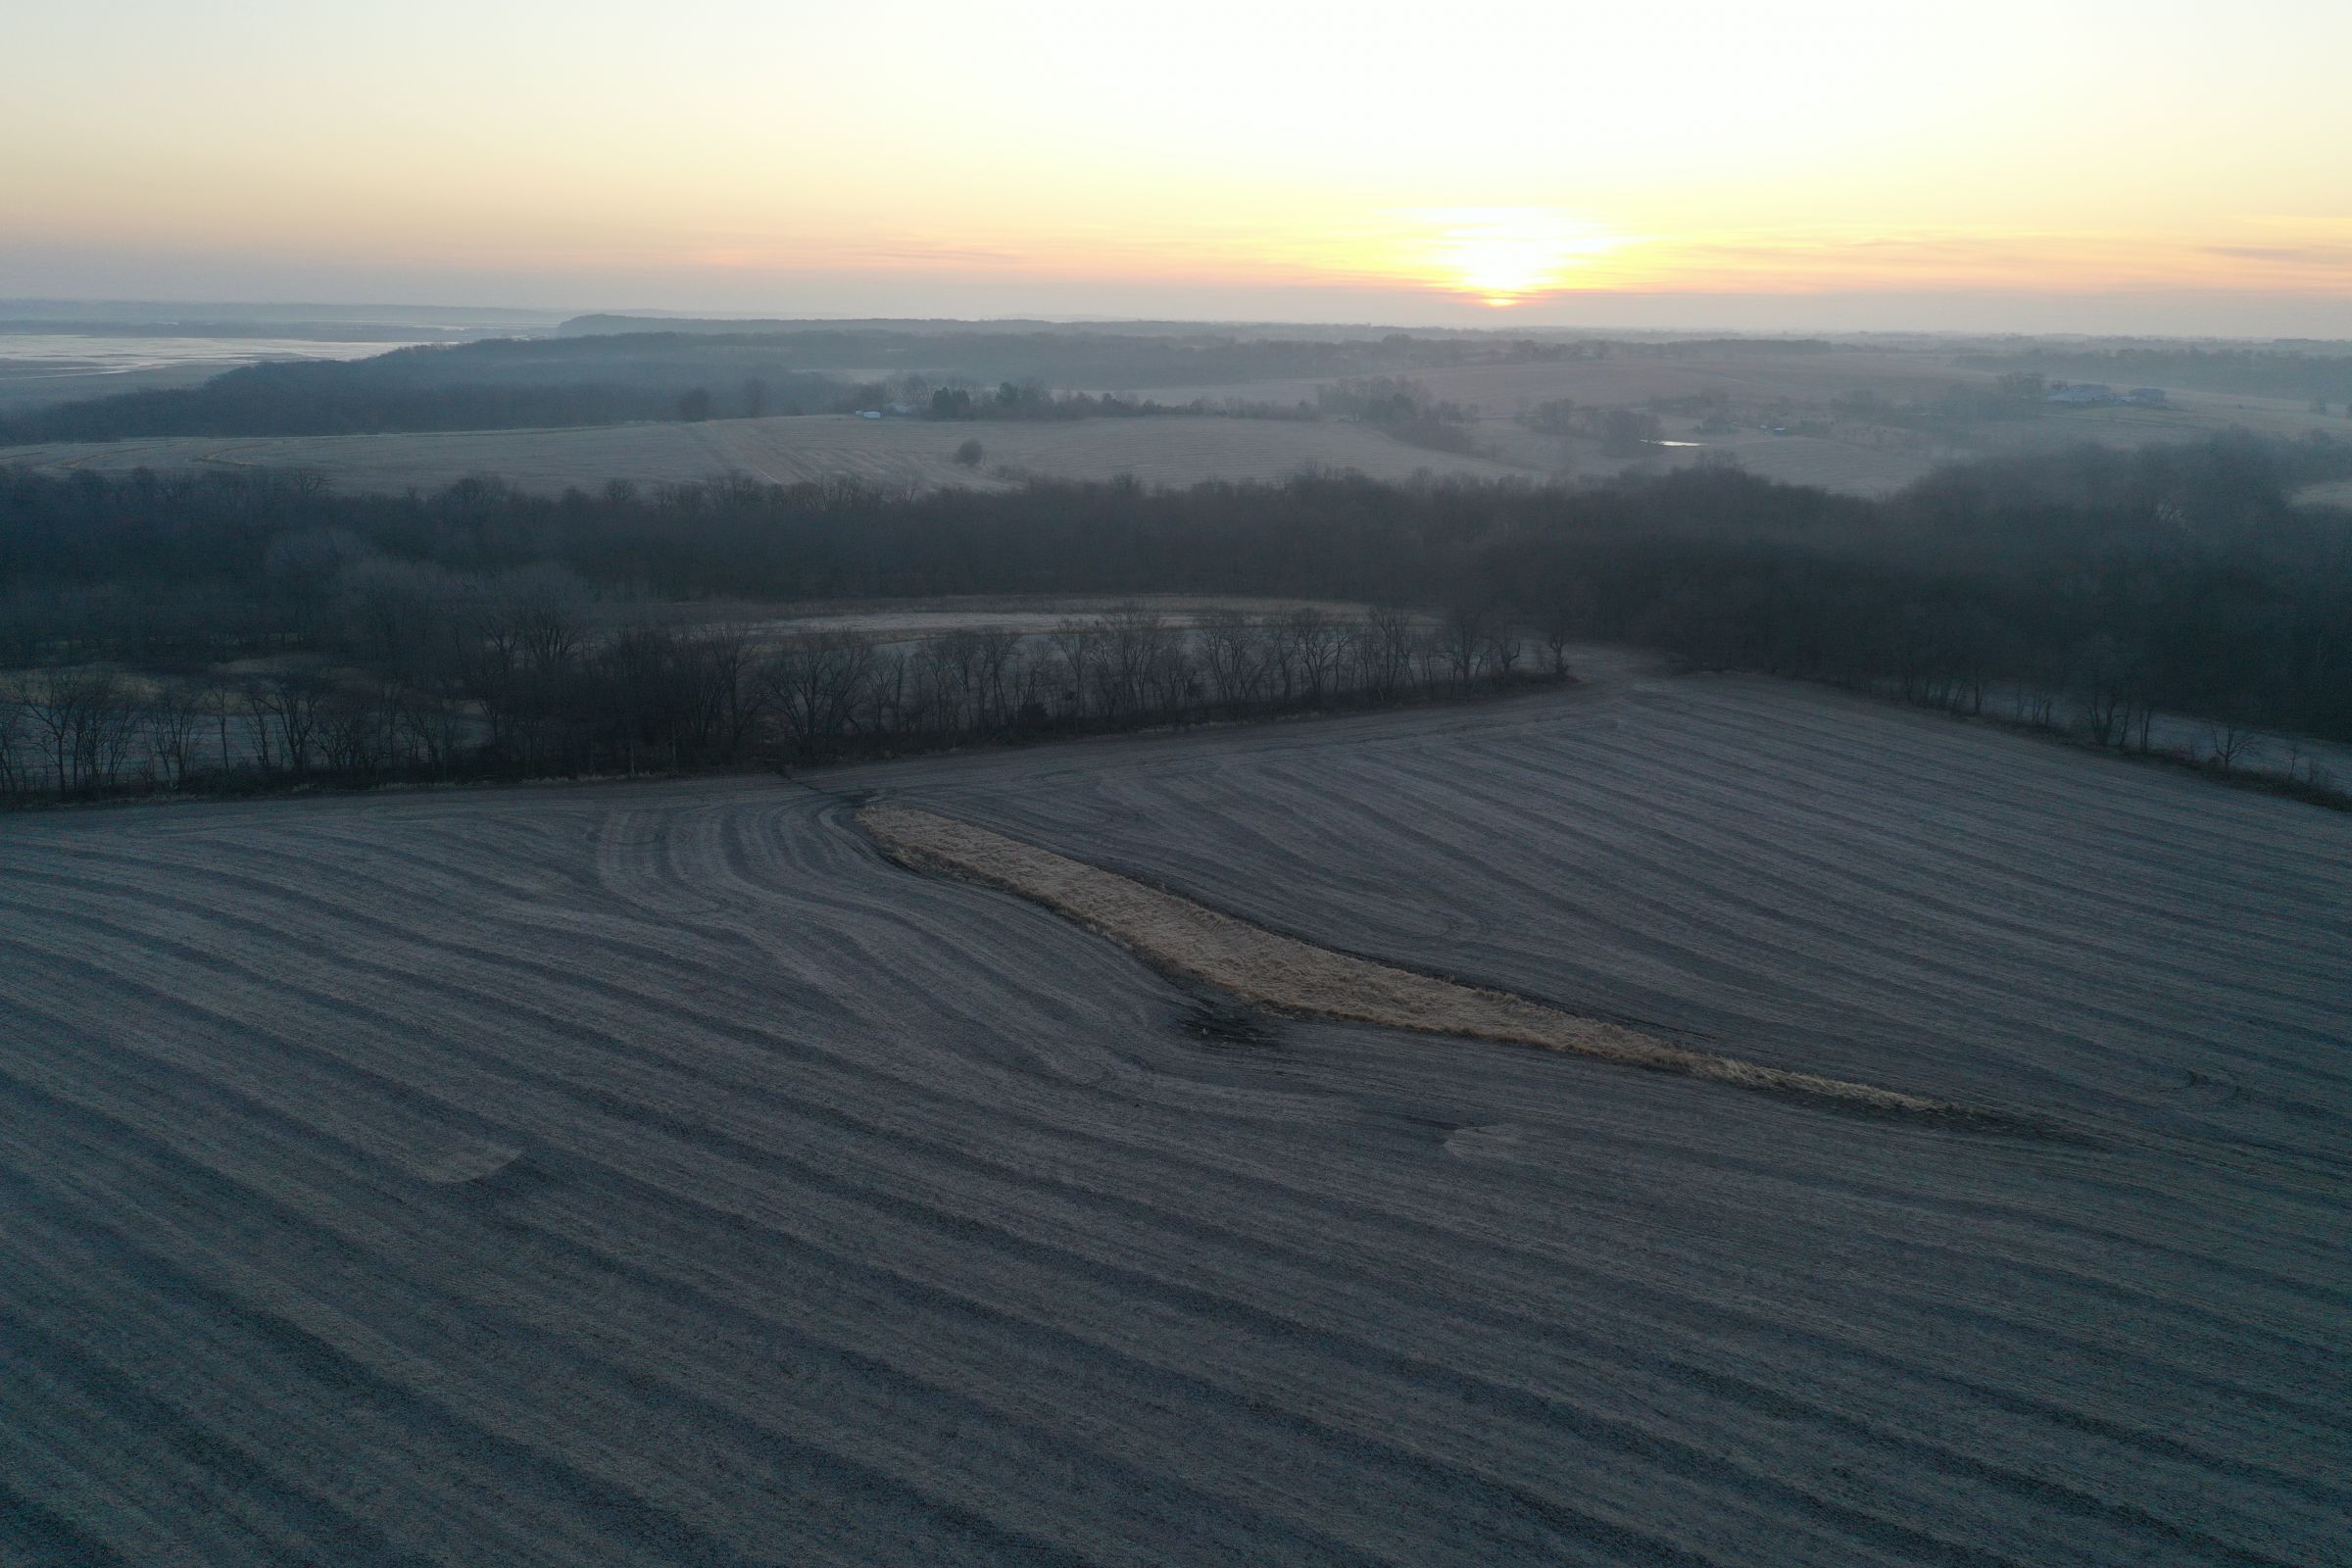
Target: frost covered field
(660,1174)
(912,454)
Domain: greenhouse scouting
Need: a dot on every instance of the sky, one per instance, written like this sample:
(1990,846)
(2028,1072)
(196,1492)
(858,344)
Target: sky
(2154,166)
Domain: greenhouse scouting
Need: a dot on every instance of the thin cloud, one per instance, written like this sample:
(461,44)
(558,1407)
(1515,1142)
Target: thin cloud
(2287,255)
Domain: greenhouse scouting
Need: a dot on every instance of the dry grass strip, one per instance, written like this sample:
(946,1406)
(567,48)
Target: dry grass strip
(1293,977)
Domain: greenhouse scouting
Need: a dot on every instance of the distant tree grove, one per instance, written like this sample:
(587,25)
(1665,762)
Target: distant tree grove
(172,632)
(521,674)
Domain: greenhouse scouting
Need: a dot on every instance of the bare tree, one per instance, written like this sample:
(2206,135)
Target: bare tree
(2103,683)
(297,702)
(727,686)
(1429,654)
(109,729)
(1171,675)
(1567,612)
(51,702)
(175,716)
(258,718)
(516,655)
(15,752)
(815,683)
(84,721)
(1314,645)
(542,611)
(221,698)
(634,667)
(1386,650)
(1074,643)
(1502,647)
(1233,648)
(996,650)
(1465,635)
(431,730)
(1132,641)
(904,691)
(355,731)
(2227,741)
(394,612)
(1282,659)
(1032,686)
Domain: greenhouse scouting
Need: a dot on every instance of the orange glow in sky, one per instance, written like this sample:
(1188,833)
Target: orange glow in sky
(1287,158)
(1505,255)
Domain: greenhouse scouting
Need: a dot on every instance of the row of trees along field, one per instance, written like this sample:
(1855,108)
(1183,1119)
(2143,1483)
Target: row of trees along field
(2178,579)
(437,677)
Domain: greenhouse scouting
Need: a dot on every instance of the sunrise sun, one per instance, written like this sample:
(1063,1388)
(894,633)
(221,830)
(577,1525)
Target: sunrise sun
(1503,254)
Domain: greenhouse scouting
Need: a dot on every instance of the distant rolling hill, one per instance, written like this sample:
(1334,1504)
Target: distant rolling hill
(914,454)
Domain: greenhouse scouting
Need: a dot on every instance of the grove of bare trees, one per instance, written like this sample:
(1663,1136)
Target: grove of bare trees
(250,629)
(516,678)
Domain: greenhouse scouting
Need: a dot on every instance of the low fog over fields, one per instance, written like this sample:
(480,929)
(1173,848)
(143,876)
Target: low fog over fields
(659,1174)
(656,401)
(899,453)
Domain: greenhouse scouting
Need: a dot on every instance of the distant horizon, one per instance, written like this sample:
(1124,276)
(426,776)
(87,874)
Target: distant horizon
(349,310)
(2135,167)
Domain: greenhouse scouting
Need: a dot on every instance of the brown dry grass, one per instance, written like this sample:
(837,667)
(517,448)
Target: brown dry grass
(1293,977)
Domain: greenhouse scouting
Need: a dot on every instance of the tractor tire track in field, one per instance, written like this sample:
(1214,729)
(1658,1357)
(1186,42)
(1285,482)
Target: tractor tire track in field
(659,1174)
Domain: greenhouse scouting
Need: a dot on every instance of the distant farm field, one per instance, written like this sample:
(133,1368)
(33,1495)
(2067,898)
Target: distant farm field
(659,1174)
(1623,377)
(1856,418)
(896,452)
(1789,422)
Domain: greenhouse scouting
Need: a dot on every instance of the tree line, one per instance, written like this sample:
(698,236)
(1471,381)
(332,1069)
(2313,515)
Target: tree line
(2112,585)
(2290,370)
(437,679)
(323,398)
(1012,399)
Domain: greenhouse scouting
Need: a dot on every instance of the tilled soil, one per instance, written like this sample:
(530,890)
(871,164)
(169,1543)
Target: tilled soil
(659,1174)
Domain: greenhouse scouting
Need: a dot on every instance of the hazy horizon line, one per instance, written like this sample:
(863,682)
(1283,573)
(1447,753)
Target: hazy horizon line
(1496,323)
